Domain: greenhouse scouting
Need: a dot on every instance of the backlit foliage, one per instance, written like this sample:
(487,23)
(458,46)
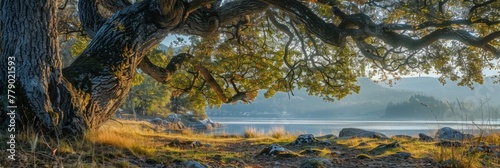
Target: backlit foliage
(280,53)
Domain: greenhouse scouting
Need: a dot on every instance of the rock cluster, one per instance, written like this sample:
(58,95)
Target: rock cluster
(276,150)
(424,137)
(304,139)
(447,133)
(360,133)
(176,122)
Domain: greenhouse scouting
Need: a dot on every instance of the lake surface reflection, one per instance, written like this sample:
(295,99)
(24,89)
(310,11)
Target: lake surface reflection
(237,125)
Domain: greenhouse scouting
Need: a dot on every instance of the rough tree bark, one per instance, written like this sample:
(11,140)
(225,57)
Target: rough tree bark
(90,90)
(29,35)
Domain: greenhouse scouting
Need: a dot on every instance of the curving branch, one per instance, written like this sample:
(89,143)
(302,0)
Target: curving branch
(114,5)
(90,17)
(477,6)
(285,30)
(197,4)
(398,40)
(327,32)
(360,26)
(207,76)
(203,22)
(163,75)
(428,24)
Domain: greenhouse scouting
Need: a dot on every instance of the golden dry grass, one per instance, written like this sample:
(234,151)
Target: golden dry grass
(124,138)
(252,132)
(277,132)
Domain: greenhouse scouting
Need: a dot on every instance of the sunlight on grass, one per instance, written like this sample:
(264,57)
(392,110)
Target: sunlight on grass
(252,132)
(277,132)
(113,137)
(117,141)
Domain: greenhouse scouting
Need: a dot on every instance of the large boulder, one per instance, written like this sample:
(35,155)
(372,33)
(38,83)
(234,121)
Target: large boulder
(157,121)
(447,133)
(424,137)
(206,124)
(175,126)
(173,122)
(304,139)
(211,123)
(201,126)
(277,151)
(173,118)
(384,147)
(356,132)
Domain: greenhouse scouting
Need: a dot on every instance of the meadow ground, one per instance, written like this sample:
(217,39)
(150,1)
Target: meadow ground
(124,143)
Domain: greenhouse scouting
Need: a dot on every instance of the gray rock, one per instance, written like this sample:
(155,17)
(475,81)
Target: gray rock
(202,126)
(277,151)
(191,164)
(157,121)
(356,132)
(447,133)
(173,118)
(304,139)
(384,147)
(176,125)
(424,137)
(211,123)
(315,163)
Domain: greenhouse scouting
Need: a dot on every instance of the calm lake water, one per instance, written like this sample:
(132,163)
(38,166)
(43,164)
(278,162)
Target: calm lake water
(237,125)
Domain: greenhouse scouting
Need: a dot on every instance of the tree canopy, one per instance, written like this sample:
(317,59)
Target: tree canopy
(323,46)
(238,47)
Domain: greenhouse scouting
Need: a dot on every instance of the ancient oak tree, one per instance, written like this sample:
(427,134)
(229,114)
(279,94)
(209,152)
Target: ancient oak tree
(237,48)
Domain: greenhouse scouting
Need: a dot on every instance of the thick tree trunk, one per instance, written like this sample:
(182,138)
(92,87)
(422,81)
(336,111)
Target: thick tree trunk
(34,47)
(96,84)
(89,91)
(43,98)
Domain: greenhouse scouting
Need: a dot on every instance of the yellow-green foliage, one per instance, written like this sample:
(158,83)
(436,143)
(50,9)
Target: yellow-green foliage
(81,43)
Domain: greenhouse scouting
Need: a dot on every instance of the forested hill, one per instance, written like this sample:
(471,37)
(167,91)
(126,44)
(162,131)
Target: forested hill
(450,91)
(370,103)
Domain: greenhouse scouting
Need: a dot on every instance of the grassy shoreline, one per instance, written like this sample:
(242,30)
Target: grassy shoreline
(125,143)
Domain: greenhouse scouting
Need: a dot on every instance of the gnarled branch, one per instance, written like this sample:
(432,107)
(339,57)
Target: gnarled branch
(163,75)
(205,73)
(115,5)
(90,17)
